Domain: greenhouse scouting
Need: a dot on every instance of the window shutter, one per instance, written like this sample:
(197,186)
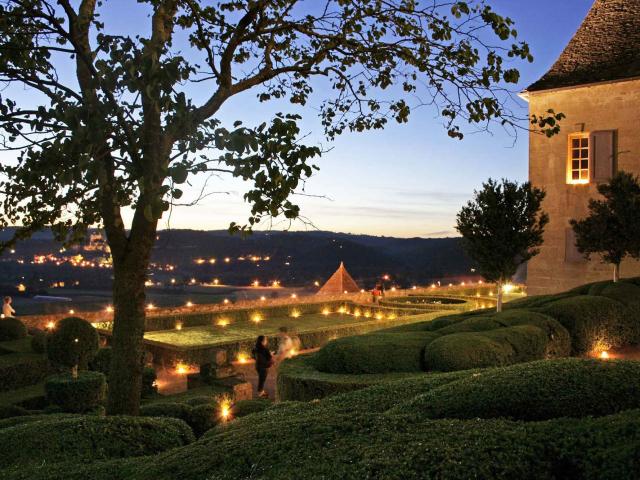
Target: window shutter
(571,253)
(602,155)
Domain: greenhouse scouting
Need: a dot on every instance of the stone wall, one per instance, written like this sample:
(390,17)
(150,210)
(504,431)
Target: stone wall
(610,106)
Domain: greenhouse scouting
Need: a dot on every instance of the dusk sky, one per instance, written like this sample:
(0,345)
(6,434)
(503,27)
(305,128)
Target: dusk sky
(408,180)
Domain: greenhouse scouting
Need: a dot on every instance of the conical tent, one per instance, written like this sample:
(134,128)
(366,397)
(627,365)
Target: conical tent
(340,282)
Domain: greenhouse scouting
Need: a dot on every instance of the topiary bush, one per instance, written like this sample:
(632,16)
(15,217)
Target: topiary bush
(462,351)
(101,362)
(248,407)
(89,438)
(72,342)
(181,411)
(534,391)
(12,329)
(203,418)
(593,322)
(9,411)
(374,353)
(76,395)
(39,341)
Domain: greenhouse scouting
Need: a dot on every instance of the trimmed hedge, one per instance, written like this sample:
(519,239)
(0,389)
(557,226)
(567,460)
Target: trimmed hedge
(73,341)
(181,411)
(12,329)
(76,395)
(243,408)
(374,353)
(298,379)
(89,438)
(39,341)
(593,322)
(101,362)
(9,411)
(534,391)
(19,370)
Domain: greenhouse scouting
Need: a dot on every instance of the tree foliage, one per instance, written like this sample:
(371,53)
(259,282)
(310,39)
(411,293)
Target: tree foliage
(612,228)
(502,227)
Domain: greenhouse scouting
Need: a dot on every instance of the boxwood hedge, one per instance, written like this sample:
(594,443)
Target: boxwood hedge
(76,395)
(534,391)
(375,353)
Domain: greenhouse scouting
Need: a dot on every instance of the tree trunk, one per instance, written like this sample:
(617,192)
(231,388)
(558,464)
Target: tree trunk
(499,297)
(616,272)
(125,378)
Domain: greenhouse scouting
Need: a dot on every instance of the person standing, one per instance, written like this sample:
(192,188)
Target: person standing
(285,344)
(7,309)
(264,361)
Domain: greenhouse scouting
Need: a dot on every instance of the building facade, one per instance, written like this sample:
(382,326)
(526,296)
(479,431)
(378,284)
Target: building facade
(596,84)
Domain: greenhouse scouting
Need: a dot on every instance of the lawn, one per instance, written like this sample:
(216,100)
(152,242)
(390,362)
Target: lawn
(243,330)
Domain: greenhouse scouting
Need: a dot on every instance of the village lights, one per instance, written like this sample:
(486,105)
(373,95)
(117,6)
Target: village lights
(433,285)
(178,325)
(293,295)
(414,288)
(173,280)
(222,322)
(263,298)
(508,288)
(256,318)
(199,261)
(227,260)
(150,306)
(295,313)
(71,311)
(385,277)
(326,311)
(225,301)
(379,316)
(192,281)
(212,261)
(189,304)
(256,283)
(275,283)
(216,281)
(316,283)
(51,325)
(109,309)
(346,292)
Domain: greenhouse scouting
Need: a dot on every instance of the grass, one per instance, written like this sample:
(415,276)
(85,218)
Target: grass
(243,330)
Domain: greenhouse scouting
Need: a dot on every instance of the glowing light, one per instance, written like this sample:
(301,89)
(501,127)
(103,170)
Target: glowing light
(462,284)
(604,355)
(316,283)
(150,306)
(173,281)
(242,358)
(346,291)
(257,318)
(199,261)
(222,322)
(356,313)
(275,283)
(379,316)
(491,294)
(386,277)
(451,284)
(477,294)
(72,311)
(256,283)
(182,369)
(414,288)
(227,260)
(193,281)
(508,288)
(109,309)
(293,352)
(479,282)
(51,325)
(21,288)
(342,310)
(367,314)
(326,311)
(263,298)
(392,316)
(225,301)
(295,313)
(216,281)
(76,340)
(212,261)
(293,295)
(225,410)
(433,285)
(178,325)
(393,289)
(188,304)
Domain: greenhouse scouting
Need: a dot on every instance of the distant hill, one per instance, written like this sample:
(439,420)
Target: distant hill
(294,258)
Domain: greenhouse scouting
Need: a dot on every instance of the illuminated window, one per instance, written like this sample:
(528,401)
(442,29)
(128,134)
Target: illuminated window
(578,161)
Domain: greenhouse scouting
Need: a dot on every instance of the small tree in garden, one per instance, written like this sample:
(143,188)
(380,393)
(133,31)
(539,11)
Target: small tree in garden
(502,228)
(122,119)
(612,228)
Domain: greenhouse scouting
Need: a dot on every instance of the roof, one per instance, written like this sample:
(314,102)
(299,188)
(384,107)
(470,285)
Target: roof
(340,282)
(606,47)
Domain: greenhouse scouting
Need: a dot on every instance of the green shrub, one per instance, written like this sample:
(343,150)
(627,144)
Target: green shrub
(73,341)
(624,292)
(535,391)
(12,329)
(247,407)
(537,301)
(298,379)
(199,400)
(149,377)
(76,394)
(8,411)
(593,322)
(203,417)
(462,351)
(375,353)
(33,417)
(89,438)
(181,411)
(39,341)
(19,370)
(101,362)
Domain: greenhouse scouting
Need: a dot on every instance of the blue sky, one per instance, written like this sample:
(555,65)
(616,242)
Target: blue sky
(408,180)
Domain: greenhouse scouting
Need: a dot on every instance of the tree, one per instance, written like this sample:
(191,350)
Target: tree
(612,228)
(125,131)
(501,228)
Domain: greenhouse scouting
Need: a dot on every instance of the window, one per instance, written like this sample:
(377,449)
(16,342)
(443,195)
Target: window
(578,161)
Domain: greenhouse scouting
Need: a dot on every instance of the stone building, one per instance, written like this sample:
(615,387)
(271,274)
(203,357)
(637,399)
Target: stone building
(596,83)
